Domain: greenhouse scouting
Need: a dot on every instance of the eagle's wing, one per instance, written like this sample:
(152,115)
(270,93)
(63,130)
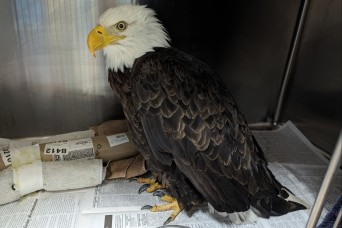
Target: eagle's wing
(190,118)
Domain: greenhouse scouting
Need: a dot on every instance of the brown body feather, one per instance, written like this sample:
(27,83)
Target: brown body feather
(192,134)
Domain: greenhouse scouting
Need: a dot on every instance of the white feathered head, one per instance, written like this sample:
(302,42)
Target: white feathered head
(125,33)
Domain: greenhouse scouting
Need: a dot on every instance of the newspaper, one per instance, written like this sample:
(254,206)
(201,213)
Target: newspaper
(295,162)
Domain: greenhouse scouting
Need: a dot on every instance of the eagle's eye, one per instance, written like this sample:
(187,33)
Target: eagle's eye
(121,25)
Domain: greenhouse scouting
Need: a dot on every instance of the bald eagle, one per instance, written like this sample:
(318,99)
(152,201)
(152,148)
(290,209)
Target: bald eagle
(185,122)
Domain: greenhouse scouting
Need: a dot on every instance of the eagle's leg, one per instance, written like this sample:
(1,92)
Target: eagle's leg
(180,193)
(150,184)
(172,204)
(149,181)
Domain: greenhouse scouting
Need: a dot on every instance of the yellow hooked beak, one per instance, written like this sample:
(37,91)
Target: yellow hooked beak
(98,39)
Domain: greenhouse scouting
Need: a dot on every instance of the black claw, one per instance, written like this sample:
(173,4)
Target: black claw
(168,221)
(159,193)
(146,207)
(143,188)
(133,179)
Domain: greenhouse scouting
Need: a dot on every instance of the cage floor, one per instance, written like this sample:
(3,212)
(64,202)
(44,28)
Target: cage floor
(295,162)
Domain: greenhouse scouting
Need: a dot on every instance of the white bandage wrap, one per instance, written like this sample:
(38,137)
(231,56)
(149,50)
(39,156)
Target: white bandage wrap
(24,155)
(29,174)
(28,178)
(50,176)
(7,194)
(73,174)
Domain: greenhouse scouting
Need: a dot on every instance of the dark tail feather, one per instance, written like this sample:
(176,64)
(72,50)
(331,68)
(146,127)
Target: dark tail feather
(287,202)
(278,205)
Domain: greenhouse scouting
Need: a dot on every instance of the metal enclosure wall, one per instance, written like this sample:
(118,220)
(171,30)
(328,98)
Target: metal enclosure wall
(50,84)
(314,101)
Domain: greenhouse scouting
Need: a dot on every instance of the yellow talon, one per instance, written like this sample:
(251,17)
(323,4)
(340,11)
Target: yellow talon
(153,184)
(166,207)
(167,198)
(154,187)
(146,180)
(171,205)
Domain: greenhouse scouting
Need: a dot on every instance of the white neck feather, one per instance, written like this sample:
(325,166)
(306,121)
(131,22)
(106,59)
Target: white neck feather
(124,54)
(144,33)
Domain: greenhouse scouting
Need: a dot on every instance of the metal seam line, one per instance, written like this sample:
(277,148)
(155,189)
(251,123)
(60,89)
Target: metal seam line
(290,63)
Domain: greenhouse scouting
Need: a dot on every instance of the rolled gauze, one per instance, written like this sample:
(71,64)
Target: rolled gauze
(72,174)
(108,148)
(56,176)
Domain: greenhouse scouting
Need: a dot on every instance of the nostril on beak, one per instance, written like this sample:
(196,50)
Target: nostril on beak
(99,32)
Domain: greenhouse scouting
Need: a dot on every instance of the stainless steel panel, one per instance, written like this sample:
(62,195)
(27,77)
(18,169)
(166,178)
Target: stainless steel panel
(314,100)
(49,83)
